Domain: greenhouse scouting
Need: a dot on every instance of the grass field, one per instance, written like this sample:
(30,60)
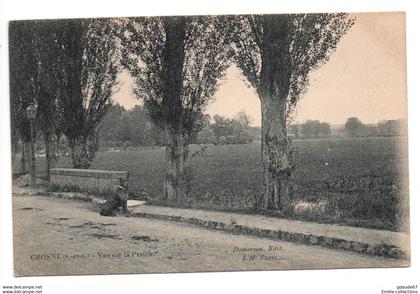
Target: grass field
(356,181)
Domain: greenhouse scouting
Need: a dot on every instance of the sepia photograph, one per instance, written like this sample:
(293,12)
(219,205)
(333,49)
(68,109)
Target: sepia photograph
(209,143)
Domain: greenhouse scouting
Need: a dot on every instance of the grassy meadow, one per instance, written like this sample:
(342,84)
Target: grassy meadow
(356,181)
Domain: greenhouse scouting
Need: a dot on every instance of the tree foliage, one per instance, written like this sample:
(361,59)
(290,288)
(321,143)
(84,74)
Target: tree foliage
(125,128)
(87,76)
(232,131)
(204,66)
(23,84)
(353,126)
(23,73)
(315,129)
(69,68)
(133,127)
(312,38)
(389,128)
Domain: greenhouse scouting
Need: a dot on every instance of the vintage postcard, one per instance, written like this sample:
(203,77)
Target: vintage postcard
(209,143)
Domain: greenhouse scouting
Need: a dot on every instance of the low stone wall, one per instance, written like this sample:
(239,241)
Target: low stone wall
(302,238)
(86,180)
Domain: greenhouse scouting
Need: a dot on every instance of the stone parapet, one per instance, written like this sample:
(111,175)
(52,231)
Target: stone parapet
(85,180)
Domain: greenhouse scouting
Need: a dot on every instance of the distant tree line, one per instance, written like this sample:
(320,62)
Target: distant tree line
(385,128)
(134,128)
(128,128)
(227,131)
(310,129)
(352,128)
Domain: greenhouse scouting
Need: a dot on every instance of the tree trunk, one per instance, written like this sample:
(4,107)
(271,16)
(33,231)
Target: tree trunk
(56,147)
(14,150)
(79,155)
(15,143)
(173,114)
(273,91)
(25,160)
(50,154)
(275,155)
(47,143)
(83,150)
(174,184)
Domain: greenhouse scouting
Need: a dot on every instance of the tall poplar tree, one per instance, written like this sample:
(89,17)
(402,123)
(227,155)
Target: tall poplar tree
(177,63)
(276,53)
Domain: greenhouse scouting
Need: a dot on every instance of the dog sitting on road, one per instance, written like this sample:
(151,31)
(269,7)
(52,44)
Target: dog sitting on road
(117,200)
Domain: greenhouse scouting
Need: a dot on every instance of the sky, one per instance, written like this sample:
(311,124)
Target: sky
(365,77)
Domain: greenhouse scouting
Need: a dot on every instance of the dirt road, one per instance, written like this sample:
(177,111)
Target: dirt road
(65,237)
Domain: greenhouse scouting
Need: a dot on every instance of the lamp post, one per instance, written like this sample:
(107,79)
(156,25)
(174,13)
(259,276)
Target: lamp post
(31,113)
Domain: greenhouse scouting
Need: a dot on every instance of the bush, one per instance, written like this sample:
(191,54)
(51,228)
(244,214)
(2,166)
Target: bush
(127,144)
(374,207)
